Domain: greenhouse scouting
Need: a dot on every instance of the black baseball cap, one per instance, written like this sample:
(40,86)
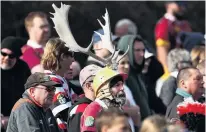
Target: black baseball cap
(40,79)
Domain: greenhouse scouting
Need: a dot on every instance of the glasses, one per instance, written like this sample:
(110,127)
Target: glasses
(11,56)
(48,89)
(70,53)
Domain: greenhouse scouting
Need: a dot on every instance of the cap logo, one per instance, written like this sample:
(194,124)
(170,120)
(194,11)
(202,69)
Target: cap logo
(47,78)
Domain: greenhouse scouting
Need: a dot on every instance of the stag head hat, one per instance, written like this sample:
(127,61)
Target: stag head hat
(61,25)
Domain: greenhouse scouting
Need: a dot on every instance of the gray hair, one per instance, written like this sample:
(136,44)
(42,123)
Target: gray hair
(176,56)
(132,28)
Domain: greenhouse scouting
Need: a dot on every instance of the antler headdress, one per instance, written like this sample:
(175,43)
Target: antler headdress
(61,25)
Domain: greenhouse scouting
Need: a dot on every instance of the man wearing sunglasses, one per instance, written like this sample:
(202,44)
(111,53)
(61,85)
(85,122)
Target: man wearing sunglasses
(29,112)
(14,73)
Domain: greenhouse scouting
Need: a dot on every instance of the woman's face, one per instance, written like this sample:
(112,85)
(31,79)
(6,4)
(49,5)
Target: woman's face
(123,66)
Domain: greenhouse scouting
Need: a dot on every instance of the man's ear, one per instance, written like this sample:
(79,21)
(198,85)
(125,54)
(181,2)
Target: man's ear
(182,83)
(31,91)
(62,57)
(28,29)
(104,128)
(89,86)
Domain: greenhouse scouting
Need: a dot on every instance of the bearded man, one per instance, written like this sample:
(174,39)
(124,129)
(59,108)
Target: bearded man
(14,73)
(109,92)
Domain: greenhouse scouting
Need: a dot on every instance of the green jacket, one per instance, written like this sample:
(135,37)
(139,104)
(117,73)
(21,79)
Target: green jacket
(135,81)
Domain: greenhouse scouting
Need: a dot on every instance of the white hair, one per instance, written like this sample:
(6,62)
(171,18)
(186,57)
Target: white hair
(175,56)
(132,28)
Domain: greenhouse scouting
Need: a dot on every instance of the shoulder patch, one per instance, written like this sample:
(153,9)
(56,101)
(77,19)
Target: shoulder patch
(89,121)
(20,102)
(61,99)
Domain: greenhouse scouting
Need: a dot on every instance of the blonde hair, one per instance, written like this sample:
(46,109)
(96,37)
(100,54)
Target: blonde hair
(53,51)
(173,128)
(30,17)
(201,66)
(197,54)
(153,123)
(108,117)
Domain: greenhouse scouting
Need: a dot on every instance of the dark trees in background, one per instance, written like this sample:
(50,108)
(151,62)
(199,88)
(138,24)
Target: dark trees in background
(83,17)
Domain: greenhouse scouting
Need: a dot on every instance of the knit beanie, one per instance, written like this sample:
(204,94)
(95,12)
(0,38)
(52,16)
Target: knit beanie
(13,44)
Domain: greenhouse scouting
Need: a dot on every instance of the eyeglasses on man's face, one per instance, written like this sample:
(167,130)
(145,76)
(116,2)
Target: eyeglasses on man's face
(48,89)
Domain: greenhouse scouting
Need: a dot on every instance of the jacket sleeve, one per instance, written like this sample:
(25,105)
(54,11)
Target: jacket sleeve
(161,33)
(168,91)
(27,121)
(87,121)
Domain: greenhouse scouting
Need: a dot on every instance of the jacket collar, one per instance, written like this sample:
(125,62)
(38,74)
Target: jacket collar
(170,17)
(28,96)
(174,74)
(101,103)
(33,44)
(183,93)
(82,99)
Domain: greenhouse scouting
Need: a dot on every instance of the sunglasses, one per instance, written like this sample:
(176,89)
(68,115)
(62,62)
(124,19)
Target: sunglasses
(11,56)
(48,89)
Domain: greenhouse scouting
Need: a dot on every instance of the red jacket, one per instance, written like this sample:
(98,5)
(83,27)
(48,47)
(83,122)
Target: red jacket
(89,115)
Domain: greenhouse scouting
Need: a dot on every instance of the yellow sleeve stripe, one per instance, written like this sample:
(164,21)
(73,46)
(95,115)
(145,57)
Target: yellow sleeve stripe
(166,73)
(162,42)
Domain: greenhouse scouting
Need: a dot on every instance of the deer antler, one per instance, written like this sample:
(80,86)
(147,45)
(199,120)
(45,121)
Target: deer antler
(62,28)
(115,61)
(61,25)
(106,38)
(107,43)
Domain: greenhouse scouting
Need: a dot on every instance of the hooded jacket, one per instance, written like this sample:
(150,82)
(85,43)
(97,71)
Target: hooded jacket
(135,81)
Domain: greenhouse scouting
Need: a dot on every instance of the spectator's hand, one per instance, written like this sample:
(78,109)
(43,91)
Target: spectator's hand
(4,121)
(127,103)
(134,113)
